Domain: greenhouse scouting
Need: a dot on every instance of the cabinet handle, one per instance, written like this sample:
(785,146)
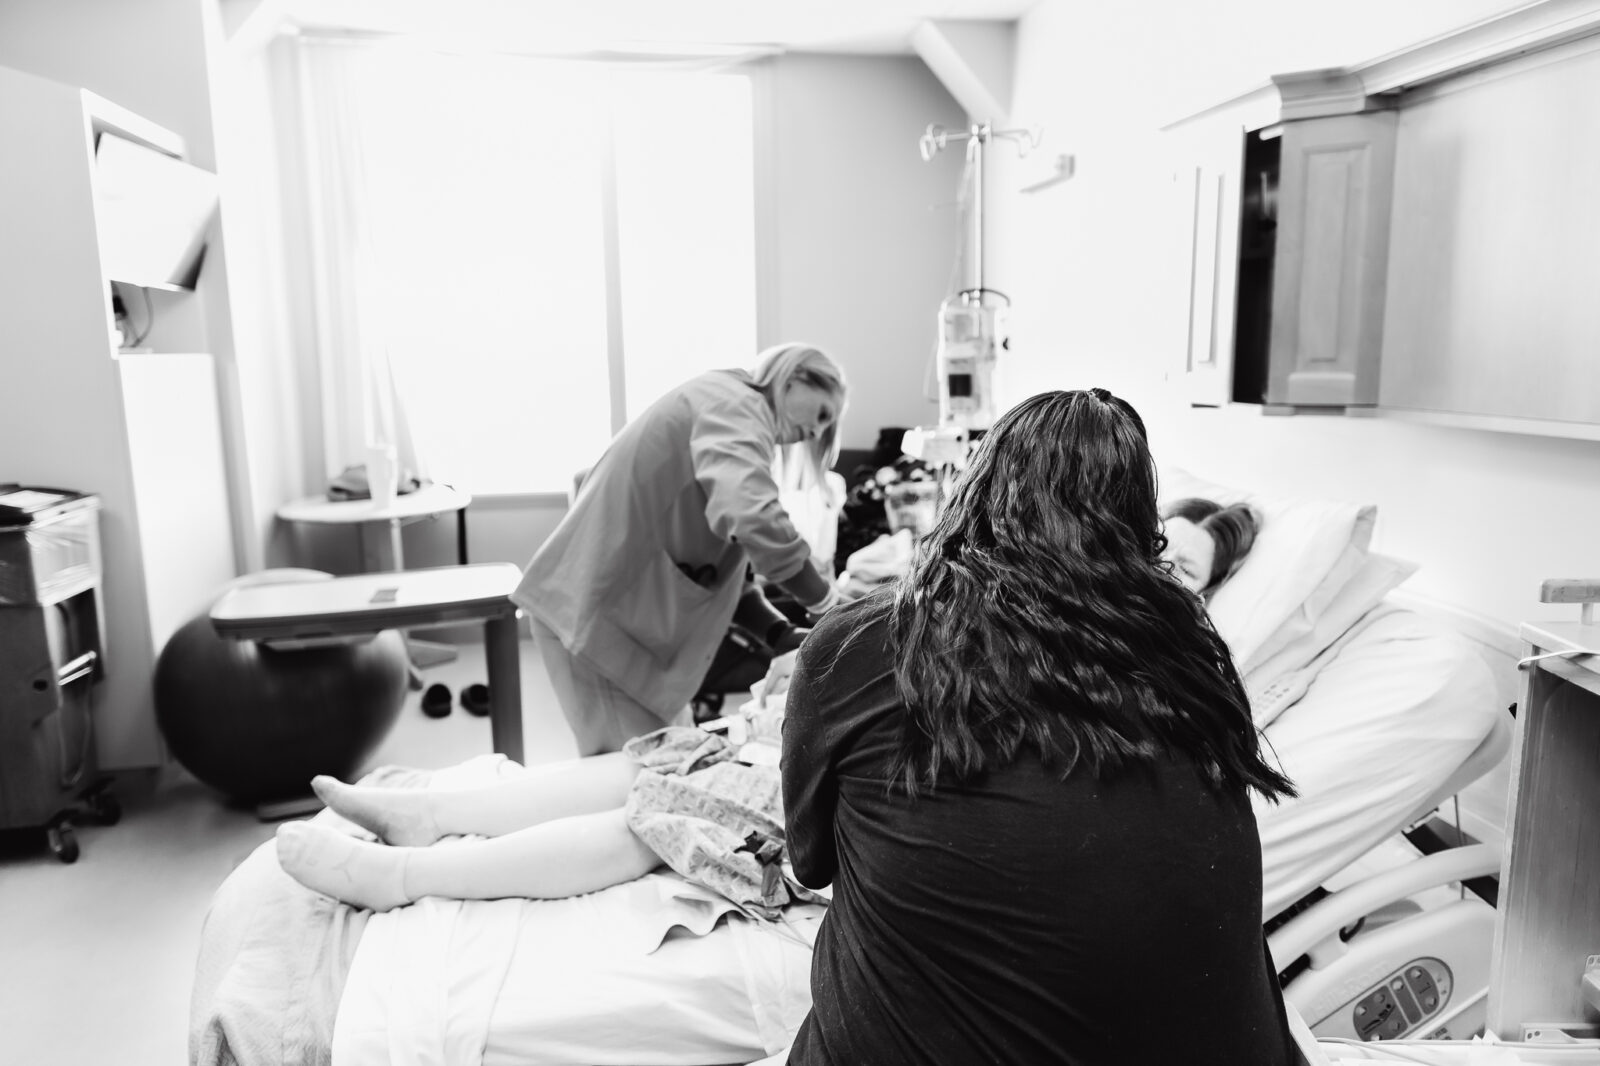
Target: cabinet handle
(1584,590)
(76,668)
(1213,349)
(1570,590)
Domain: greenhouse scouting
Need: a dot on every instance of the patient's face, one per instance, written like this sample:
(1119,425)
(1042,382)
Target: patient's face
(1191,551)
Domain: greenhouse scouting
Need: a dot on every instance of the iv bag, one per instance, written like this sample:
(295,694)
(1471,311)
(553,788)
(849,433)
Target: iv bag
(972,334)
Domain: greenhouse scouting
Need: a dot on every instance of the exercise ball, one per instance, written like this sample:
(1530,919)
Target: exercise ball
(256,723)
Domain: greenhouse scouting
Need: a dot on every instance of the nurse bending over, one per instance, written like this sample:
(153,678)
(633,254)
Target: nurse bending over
(631,595)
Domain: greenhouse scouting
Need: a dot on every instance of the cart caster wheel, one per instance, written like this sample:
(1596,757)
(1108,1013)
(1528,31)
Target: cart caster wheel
(104,808)
(63,841)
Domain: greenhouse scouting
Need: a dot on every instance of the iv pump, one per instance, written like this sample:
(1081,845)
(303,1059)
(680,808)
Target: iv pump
(972,337)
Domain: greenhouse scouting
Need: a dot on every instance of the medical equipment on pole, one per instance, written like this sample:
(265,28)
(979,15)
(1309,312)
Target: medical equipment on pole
(973,328)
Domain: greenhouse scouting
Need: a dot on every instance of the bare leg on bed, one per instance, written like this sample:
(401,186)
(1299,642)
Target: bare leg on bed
(414,817)
(552,860)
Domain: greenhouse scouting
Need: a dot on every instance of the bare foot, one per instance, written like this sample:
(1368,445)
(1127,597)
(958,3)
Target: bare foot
(402,816)
(339,865)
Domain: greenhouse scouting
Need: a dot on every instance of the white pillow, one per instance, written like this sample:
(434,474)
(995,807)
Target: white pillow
(1377,576)
(1306,550)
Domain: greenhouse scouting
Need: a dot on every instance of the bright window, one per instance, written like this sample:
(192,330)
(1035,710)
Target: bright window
(686,222)
(492,184)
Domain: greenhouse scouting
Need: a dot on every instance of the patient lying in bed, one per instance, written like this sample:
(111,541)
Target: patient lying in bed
(677,797)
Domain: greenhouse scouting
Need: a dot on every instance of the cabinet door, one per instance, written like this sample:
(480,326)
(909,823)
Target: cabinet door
(1208,187)
(1494,272)
(1334,191)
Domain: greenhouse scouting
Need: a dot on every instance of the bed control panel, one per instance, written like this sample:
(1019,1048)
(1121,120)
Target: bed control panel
(1403,1002)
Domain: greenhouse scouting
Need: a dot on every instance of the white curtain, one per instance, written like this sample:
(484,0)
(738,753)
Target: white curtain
(363,401)
(514,254)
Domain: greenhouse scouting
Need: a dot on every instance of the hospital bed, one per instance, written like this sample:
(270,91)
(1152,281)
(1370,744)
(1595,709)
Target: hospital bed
(1378,710)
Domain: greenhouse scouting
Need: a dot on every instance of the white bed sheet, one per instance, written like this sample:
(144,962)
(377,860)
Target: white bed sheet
(654,971)
(1384,724)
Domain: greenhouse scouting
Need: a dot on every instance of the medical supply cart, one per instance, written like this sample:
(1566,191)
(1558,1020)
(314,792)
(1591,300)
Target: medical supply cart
(51,660)
(1546,970)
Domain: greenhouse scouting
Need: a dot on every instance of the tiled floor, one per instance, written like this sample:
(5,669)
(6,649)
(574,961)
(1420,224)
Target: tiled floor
(97,957)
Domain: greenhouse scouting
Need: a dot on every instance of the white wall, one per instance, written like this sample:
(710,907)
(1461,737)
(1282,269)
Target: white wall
(862,233)
(148,57)
(1094,269)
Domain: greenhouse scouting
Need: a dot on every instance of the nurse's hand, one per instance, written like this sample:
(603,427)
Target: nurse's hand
(787,638)
(815,611)
(778,675)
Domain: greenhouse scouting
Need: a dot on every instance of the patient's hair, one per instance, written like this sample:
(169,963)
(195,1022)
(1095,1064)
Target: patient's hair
(776,367)
(1232,528)
(1039,615)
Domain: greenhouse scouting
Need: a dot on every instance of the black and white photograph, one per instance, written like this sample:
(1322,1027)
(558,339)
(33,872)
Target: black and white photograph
(810,532)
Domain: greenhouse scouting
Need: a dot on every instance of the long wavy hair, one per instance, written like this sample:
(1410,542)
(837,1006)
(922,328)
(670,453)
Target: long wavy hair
(1038,615)
(804,464)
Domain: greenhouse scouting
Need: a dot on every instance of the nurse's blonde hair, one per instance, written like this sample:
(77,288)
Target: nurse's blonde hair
(804,464)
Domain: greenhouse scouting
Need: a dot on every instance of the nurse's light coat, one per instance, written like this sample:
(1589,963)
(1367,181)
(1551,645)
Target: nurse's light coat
(688,483)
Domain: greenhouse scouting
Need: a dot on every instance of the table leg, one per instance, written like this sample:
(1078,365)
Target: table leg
(396,548)
(423,653)
(504,660)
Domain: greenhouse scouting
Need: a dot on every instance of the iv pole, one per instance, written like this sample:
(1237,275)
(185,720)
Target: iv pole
(972,329)
(935,138)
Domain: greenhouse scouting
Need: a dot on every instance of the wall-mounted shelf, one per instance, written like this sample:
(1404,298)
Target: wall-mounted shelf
(1532,427)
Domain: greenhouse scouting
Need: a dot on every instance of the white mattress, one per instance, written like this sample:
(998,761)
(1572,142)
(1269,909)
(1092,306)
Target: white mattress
(1385,722)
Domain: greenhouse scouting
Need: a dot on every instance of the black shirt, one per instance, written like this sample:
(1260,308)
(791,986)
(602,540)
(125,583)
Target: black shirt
(1018,918)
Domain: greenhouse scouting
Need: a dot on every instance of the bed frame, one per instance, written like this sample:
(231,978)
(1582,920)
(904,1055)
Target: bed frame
(1365,960)
(1482,803)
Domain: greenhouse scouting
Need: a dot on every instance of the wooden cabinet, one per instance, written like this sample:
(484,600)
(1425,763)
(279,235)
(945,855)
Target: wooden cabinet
(1206,178)
(1288,214)
(1330,266)
(1414,236)
(140,429)
(1548,921)
(1495,260)
(1208,168)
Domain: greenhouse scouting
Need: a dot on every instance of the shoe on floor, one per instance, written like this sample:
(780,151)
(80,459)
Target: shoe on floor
(436,701)
(475,698)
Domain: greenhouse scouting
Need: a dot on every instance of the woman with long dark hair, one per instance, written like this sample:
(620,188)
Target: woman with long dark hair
(1025,772)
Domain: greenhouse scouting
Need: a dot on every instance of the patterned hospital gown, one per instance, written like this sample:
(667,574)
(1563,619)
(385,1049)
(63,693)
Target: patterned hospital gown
(714,820)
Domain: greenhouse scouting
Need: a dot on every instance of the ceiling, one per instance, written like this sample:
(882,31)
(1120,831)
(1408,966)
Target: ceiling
(865,26)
